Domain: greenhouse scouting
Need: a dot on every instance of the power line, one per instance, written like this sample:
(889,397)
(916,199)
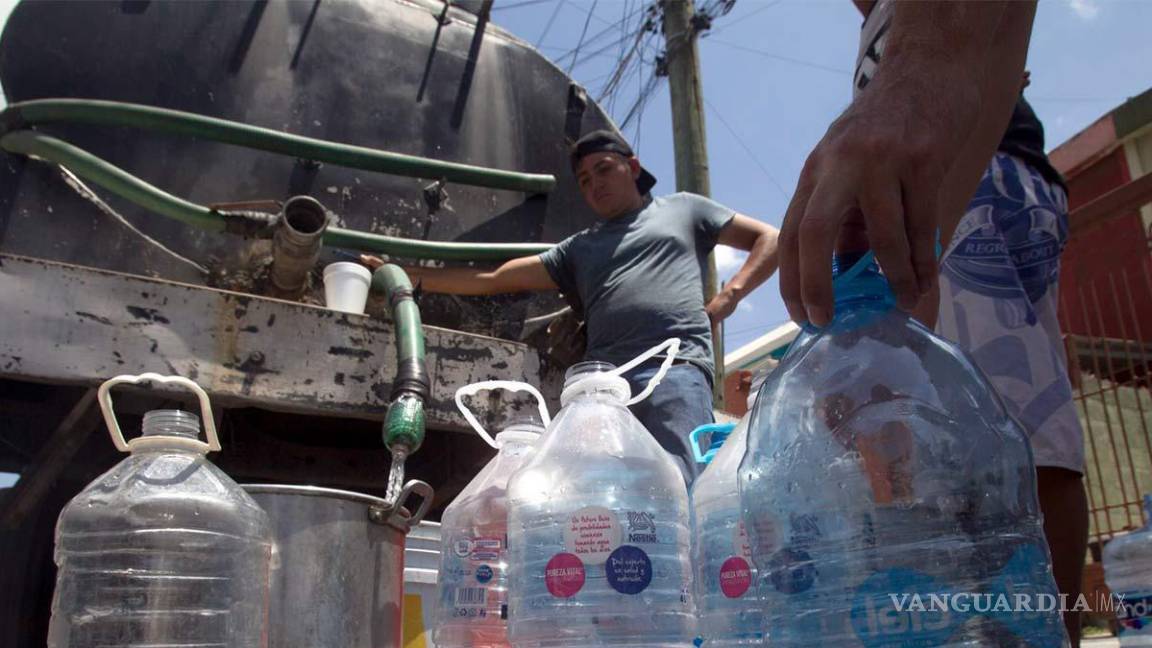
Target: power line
(740,19)
(595,38)
(595,79)
(752,329)
(624,31)
(517,5)
(778,57)
(583,33)
(743,145)
(603,51)
(625,59)
(598,19)
(639,118)
(551,19)
(642,99)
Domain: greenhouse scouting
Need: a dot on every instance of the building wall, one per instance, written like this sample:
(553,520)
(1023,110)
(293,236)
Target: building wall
(1105,271)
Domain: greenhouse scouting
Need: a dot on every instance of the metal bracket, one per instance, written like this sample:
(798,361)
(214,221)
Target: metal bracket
(701,22)
(443,18)
(436,196)
(661,65)
(577,105)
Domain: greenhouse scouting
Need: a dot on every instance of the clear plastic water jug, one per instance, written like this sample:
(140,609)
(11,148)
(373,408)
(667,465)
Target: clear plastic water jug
(164,549)
(889,498)
(1128,572)
(472,588)
(729,613)
(599,525)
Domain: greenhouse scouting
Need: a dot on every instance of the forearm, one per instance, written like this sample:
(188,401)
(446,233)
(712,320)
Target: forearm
(1000,91)
(453,281)
(763,259)
(952,57)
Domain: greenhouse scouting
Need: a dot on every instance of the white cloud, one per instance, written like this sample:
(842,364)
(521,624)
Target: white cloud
(728,259)
(1086,9)
(745,306)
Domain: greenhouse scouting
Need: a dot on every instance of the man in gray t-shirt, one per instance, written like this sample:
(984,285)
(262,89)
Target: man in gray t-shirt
(637,276)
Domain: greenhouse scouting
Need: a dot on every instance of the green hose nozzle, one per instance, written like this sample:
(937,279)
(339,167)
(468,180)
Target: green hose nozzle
(404,423)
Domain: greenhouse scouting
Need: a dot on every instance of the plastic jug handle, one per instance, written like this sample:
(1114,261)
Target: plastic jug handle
(104,397)
(694,437)
(489,385)
(673,345)
(694,441)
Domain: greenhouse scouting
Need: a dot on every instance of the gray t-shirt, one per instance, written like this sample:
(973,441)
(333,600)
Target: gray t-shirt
(640,277)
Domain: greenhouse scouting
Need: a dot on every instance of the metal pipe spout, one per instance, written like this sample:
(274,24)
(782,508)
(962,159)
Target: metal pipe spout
(296,244)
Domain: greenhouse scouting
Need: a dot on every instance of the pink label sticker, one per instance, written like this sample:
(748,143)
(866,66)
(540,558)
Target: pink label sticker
(735,577)
(564,575)
(592,533)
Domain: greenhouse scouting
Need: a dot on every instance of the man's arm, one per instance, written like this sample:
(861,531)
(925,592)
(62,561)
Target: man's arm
(518,275)
(759,239)
(909,149)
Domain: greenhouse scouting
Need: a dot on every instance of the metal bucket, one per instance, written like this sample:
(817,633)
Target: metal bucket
(339,569)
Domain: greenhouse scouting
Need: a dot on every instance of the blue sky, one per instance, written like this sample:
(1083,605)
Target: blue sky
(776,72)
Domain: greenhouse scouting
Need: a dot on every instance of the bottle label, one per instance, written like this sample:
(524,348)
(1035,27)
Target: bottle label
(629,570)
(642,528)
(468,598)
(735,577)
(741,546)
(479,549)
(484,574)
(592,533)
(1134,612)
(881,621)
(905,608)
(564,575)
(470,576)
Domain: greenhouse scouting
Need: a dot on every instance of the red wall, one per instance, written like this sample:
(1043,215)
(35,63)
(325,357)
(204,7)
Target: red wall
(1105,271)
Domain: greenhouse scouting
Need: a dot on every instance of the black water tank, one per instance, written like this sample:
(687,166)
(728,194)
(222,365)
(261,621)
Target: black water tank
(388,74)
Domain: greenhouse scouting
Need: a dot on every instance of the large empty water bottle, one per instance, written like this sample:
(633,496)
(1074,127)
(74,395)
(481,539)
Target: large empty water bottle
(889,498)
(1128,572)
(729,613)
(472,590)
(599,525)
(164,549)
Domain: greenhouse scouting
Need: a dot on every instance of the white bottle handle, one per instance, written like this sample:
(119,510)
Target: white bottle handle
(104,397)
(673,345)
(488,385)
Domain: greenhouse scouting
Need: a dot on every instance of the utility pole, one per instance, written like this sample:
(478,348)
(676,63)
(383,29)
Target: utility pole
(681,25)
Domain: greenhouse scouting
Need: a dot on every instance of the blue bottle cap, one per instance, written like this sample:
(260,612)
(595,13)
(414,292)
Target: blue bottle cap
(719,431)
(856,278)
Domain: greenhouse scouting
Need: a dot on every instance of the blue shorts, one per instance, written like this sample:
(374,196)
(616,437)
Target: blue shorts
(679,404)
